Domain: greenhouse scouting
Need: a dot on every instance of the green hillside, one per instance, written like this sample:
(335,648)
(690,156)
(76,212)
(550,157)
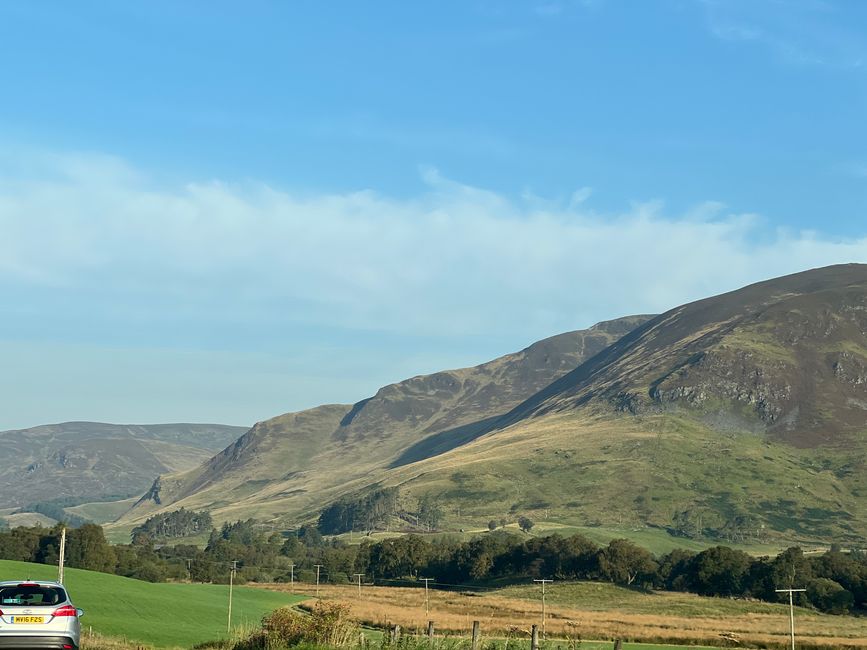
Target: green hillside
(162,615)
(267,472)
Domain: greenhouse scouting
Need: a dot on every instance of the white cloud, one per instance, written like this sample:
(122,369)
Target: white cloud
(803,32)
(454,261)
(130,300)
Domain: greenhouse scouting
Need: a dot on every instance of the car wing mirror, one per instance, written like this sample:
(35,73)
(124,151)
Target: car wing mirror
(79,612)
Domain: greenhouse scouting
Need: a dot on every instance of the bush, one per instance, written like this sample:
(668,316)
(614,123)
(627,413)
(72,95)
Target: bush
(327,625)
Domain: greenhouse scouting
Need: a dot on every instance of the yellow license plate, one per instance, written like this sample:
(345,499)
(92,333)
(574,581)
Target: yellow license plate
(28,619)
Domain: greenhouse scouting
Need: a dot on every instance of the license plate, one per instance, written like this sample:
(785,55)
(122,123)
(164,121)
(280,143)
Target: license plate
(28,619)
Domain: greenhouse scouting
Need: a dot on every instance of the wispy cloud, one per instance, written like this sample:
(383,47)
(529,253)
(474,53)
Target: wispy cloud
(455,260)
(131,300)
(802,32)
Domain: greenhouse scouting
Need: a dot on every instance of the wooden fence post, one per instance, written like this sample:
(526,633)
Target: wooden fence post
(430,629)
(534,638)
(618,644)
(475,635)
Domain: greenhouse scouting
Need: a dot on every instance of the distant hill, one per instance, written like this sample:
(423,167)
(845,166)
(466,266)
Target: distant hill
(295,463)
(89,461)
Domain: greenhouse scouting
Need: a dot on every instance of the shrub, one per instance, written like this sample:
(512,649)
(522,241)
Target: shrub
(328,624)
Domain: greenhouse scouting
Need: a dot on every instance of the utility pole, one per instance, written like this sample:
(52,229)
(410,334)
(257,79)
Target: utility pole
(543,582)
(359,576)
(62,558)
(791,610)
(318,566)
(426,595)
(231,584)
(292,578)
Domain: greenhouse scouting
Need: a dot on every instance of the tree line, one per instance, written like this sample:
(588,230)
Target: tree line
(836,581)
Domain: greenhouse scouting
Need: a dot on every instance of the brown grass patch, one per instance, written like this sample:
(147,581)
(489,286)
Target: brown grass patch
(454,613)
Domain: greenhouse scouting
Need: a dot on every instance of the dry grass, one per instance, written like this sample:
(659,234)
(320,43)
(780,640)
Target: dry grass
(454,612)
(93,641)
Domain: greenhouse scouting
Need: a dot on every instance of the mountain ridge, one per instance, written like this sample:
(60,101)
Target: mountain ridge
(91,460)
(378,430)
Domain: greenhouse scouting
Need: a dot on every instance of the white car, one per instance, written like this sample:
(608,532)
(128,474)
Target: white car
(37,614)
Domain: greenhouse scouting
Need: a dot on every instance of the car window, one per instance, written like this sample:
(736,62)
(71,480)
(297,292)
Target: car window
(31,595)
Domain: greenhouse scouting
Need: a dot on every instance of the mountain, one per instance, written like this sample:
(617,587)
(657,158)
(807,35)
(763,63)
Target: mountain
(295,463)
(742,416)
(786,357)
(82,461)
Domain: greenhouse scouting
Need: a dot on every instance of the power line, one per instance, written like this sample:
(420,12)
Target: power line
(318,566)
(791,610)
(231,584)
(426,595)
(62,559)
(544,582)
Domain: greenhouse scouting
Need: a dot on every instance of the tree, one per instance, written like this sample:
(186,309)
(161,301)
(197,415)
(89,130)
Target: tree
(87,548)
(829,596)
(430,513)
(624,563)
(720,571)
(525,523)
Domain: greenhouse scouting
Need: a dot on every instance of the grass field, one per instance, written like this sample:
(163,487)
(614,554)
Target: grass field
(162,615)
(599,611)
(101,512)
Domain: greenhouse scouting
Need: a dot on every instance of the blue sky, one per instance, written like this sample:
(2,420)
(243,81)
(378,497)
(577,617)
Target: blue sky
(217,213)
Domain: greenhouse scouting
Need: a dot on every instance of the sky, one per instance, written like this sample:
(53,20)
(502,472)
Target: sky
(221,211)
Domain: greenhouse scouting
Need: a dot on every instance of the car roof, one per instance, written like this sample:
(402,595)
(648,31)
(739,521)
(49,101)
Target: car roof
(39,583)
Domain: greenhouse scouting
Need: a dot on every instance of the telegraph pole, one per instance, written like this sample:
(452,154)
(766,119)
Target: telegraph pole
(426,596)
(791,610)
(292,578)
(543,582)
(359,576)
(318,566)
(231,584)
(62,558)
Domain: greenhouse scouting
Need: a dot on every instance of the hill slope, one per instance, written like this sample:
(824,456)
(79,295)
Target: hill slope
(742,417)
(296,462)
(93,460)
(787,356)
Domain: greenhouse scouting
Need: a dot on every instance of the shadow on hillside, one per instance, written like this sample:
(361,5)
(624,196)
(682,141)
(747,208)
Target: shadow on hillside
(440,443)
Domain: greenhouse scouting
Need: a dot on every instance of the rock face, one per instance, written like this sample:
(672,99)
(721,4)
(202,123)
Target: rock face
(293,462)
(786,356)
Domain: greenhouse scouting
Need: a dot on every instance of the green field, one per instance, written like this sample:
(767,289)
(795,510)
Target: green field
(162,615)
(101,512)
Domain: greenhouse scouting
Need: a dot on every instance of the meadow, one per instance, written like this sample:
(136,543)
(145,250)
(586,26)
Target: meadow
(596,612)
(159,615)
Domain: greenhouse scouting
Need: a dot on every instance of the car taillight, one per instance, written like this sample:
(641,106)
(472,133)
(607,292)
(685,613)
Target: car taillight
(66,610)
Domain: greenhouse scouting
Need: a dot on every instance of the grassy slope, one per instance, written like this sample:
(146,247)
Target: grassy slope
(619,473)
(101,512)
(269,472)
(163,615)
